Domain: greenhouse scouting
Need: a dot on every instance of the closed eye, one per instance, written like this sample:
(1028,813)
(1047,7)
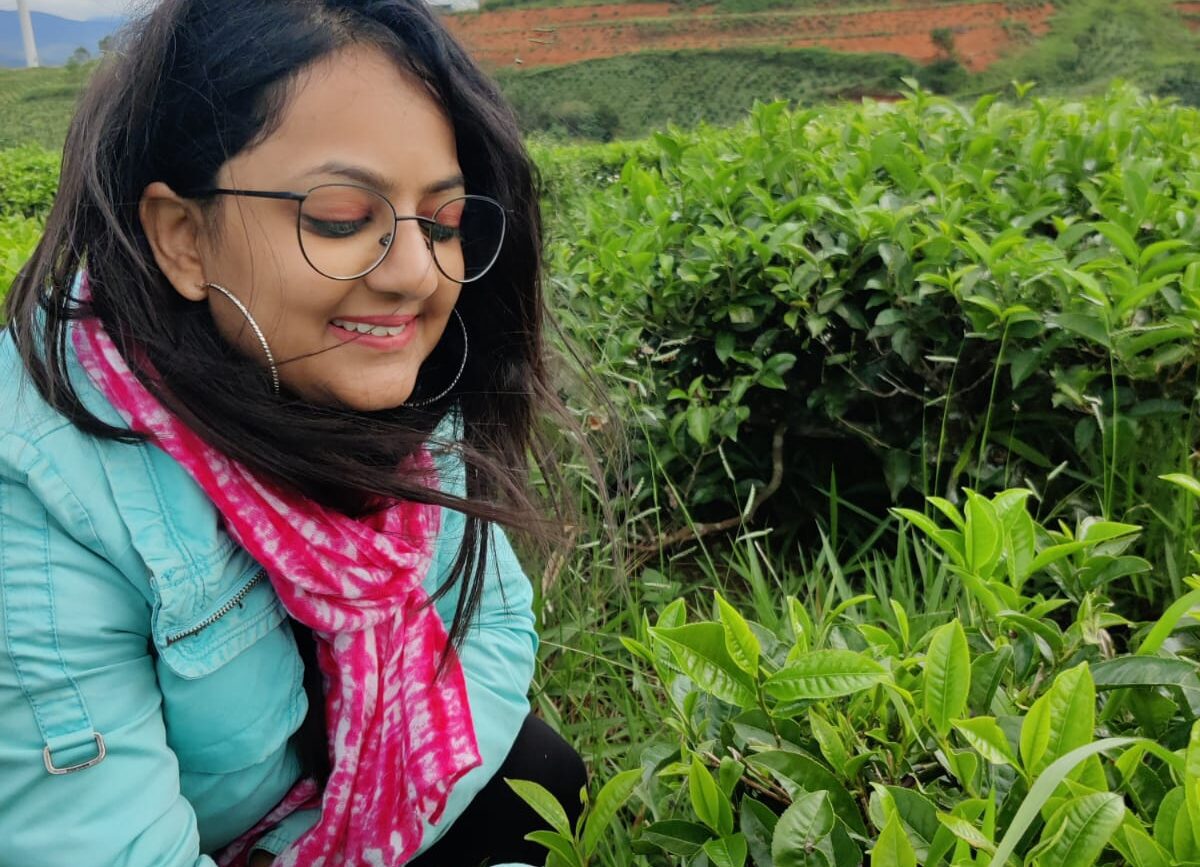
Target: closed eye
(335,228)
(441,233)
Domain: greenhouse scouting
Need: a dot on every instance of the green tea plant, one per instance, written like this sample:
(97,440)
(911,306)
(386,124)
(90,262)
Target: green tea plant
(1014,727)
(921,295)
(28,181)
(18,237)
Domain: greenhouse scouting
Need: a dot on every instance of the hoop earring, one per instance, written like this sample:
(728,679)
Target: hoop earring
(254,327)
(461,367)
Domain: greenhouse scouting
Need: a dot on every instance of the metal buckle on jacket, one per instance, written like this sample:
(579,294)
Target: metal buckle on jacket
(95,760)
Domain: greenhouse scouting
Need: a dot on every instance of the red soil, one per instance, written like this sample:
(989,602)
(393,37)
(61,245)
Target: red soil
(546,37)
(1190,13)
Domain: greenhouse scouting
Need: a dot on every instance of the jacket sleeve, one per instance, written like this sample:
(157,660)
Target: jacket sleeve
(76,676)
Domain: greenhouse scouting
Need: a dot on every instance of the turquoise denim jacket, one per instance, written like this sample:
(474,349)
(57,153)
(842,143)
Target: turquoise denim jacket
(141,654)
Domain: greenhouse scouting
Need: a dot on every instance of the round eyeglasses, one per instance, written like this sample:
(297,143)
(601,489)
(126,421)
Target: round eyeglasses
(346,230)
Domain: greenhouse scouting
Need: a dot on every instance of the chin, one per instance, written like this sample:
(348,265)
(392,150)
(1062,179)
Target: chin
(362,398)
(375,402)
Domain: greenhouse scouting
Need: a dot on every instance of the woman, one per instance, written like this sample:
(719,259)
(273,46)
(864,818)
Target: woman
(268,380)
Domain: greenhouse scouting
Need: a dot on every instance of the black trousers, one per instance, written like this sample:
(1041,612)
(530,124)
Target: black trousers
(493,827)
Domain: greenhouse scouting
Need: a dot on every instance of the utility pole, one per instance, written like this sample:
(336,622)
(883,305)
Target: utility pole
(31,58)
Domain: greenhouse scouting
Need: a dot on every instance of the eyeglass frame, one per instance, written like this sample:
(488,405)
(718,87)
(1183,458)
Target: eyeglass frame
(299,198)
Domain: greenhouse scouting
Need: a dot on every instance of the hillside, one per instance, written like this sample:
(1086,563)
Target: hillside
(980,32)
(619,70)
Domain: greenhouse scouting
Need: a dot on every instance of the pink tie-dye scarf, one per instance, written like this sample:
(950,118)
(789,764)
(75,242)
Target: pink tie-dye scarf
(400,734)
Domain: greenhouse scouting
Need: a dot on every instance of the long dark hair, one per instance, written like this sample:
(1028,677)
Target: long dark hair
(195,82)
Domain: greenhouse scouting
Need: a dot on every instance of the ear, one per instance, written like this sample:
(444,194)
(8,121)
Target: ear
(174,226)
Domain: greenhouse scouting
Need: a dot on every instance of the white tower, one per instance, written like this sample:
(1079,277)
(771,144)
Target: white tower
(31,58)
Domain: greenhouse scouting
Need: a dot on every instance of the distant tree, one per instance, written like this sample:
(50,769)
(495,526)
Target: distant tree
(78,57)
(107,44)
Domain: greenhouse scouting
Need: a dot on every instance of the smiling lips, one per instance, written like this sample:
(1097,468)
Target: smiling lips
(375,332)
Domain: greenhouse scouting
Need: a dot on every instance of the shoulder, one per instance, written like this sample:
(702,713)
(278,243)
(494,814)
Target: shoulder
(130,502)
(23,411)
(42,451)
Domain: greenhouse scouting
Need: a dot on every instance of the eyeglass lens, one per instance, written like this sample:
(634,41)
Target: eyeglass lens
(345,231)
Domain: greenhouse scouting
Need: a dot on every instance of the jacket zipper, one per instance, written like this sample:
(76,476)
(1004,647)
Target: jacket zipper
(222,611)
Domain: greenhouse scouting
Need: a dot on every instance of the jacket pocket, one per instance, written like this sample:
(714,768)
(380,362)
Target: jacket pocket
(196,641)
(230,673)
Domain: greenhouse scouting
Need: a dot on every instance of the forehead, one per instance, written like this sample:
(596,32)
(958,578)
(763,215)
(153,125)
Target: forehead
(356,107)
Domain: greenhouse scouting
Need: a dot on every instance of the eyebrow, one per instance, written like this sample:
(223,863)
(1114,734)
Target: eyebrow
(379,182)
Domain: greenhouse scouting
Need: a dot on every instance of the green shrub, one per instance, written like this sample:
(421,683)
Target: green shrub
(945,75)
(28,181)
(18,237)
(1006,710)
(916,296)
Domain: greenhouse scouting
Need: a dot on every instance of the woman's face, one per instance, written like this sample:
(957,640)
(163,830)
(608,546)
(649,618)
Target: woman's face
(354,118)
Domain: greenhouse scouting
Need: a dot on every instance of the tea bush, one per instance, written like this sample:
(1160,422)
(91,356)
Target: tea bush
(28,181)
(18,237)
(918,296)
(986,724)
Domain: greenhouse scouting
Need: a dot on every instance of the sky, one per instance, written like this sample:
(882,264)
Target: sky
(80,10)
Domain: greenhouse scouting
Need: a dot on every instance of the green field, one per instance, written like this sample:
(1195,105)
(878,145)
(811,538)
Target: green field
(36,105)
(630,96)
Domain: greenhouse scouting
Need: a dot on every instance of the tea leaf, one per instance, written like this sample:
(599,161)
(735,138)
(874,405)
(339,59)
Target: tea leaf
(987,671)
(825,674)
(758,823)
(608,801)
(739,639)
(677,836)
(829,740)
(1080,829)
(892,848)
(965,831)
(1140,848)
(982,535)
(727,851)
(1043,787)
(700,650)
(544,804)
(987,739)
(947,676)
(560,846)
(1061,720)
(800,773)
(801,831)
(1182,480)
(711,806)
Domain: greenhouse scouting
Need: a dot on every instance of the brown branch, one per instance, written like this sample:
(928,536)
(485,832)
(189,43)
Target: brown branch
(697,531)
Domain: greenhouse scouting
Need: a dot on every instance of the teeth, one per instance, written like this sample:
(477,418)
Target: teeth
(364,328)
